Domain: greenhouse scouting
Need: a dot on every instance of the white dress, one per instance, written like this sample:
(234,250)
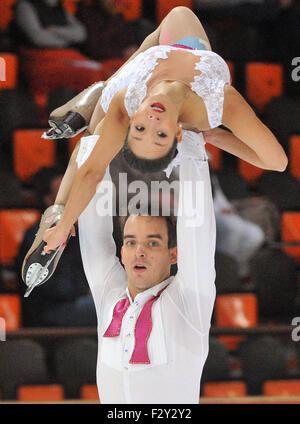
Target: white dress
(209,85)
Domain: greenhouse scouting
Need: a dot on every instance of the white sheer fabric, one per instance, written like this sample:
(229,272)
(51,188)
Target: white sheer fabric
(209,85)
(178,344)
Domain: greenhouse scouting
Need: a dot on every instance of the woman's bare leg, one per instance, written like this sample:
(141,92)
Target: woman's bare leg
(180,23)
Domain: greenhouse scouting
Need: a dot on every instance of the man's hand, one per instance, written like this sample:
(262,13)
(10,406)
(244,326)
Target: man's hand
(55,237)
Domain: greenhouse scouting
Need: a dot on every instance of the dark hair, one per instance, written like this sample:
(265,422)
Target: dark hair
(148,165)
(170,221)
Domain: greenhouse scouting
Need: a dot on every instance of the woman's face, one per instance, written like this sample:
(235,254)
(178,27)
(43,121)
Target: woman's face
(153,128)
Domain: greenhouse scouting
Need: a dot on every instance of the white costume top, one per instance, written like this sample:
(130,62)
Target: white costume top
(209,85)
(178,343)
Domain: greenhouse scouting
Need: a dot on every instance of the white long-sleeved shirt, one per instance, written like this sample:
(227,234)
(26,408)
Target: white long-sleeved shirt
(178,343)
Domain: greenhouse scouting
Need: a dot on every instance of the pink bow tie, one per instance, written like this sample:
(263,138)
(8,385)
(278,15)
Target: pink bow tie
(142,331)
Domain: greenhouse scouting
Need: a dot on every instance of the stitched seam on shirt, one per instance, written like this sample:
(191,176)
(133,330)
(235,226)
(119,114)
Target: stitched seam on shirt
(202,333)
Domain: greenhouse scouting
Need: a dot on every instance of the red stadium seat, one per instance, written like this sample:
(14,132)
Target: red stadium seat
(40,393)
(250,172)
(46,70)
(8,71)
(163,7)
(6,13)
(130,9)
(13,224)
(215,153)
(290,232)
(89,392)
(31,153)
(225,389)
(281,388)
(10,310)
(294,156)
(263,82)
(235,310)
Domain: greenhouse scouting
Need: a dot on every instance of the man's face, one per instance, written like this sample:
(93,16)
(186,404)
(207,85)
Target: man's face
(153,128)
(145,253)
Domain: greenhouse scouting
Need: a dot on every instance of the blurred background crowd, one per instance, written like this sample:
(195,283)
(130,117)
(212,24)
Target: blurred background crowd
(53,49)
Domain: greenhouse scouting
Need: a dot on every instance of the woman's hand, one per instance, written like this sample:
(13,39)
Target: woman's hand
(213,133)
(55,236)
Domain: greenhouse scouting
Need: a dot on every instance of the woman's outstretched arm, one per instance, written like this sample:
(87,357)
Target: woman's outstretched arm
(68,178)
(259,145)
(88,176)
(227,141)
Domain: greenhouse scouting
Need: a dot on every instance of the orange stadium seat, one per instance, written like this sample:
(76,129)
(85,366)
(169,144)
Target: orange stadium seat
(294,156)
(281,388)
(89,392)
(10,310)
(8,71)
(130,9)
(6,13)
(13,224)
(225,389)
(71,5)
(163,7)
(263,82)
(290,232)
(40,393)
(235,310)
(31,153)
(215,153)
(250,172)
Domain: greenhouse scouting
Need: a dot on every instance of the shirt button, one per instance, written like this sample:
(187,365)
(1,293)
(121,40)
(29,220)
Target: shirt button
(128,335)
(126,368)
(131,317)
(126,350)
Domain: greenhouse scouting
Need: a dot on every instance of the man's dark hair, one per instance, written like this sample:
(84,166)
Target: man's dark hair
(171,226)
(148,165)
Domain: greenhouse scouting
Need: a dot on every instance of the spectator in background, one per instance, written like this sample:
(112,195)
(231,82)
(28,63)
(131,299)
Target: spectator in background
(47,39)
(109,34)
(46,24)
(65,299)
(236,237)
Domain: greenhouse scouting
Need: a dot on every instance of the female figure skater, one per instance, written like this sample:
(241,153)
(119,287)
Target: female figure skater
(174,78)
